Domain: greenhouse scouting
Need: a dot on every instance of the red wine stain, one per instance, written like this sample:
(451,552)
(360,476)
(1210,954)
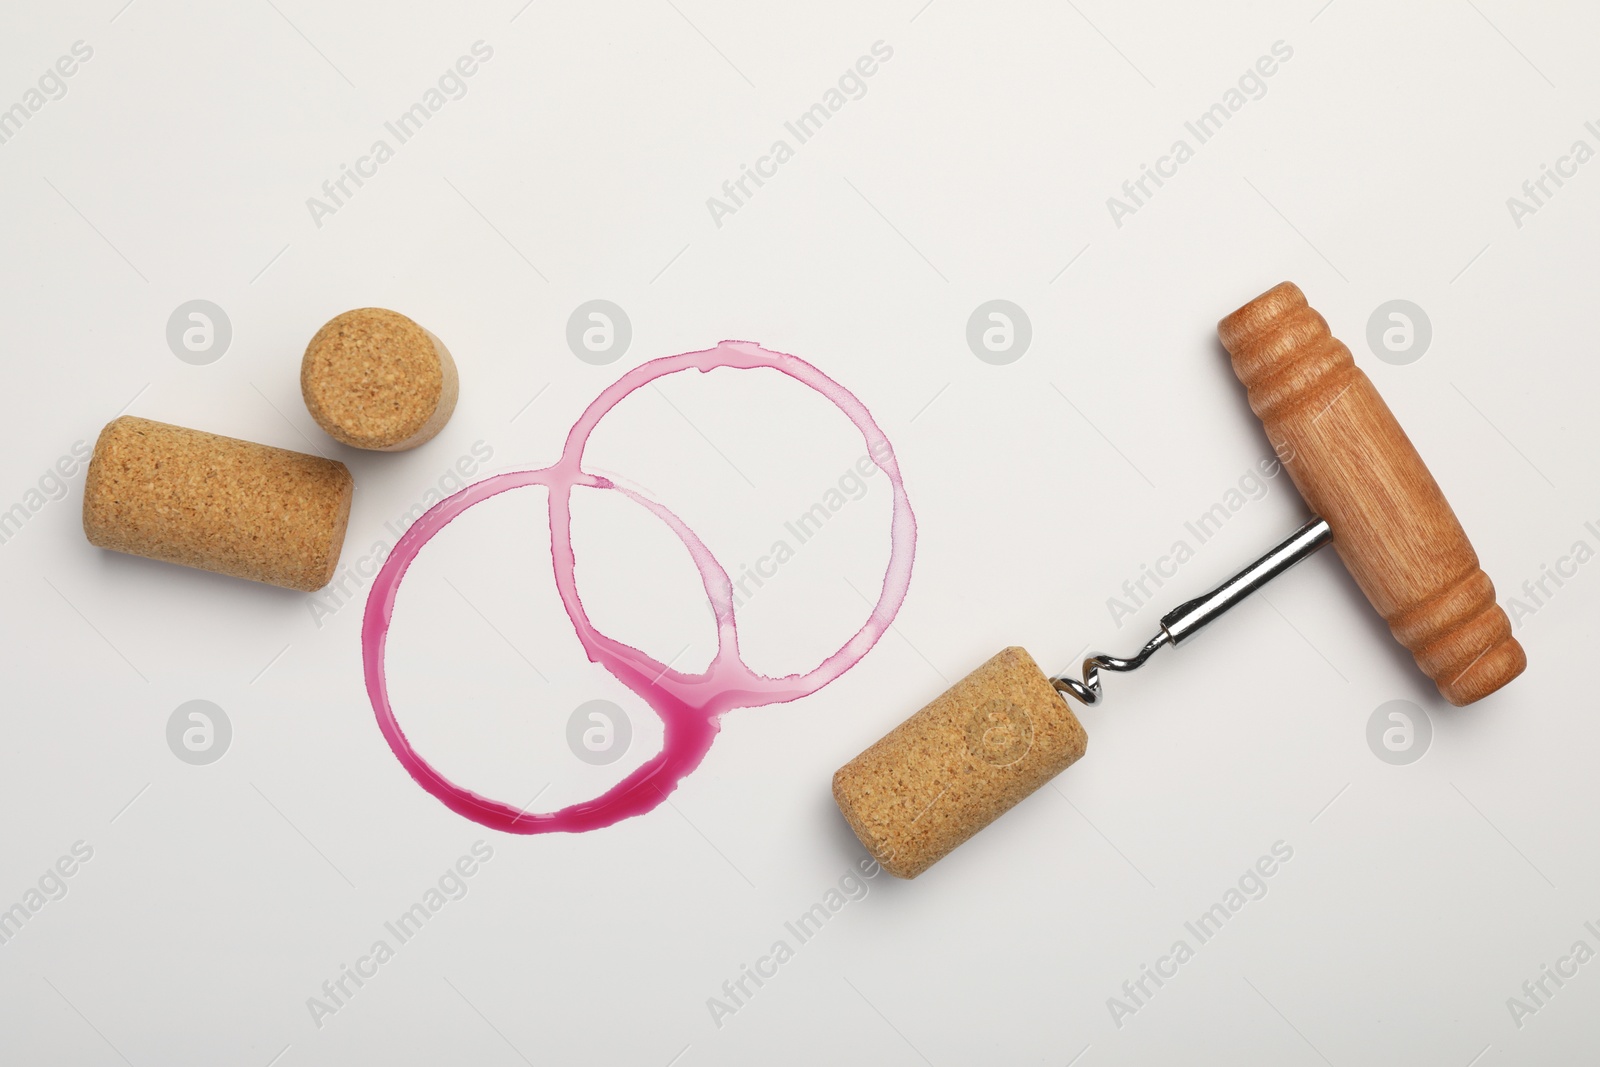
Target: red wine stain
(690,705)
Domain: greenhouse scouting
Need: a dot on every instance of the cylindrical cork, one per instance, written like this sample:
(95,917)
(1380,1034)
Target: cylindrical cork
(217,503)
(1356,468)
(958,764)
(374,379)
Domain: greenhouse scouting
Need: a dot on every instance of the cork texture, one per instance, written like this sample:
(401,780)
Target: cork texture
(374,379)
(217,503)
(958,764)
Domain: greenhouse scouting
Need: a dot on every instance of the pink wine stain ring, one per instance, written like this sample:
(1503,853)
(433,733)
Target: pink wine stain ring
(690,705)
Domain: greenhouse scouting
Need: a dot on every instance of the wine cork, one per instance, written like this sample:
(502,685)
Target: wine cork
(374,379)
(958,764)
(217,503)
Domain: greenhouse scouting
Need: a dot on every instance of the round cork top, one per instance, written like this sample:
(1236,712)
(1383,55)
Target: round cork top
(374,379)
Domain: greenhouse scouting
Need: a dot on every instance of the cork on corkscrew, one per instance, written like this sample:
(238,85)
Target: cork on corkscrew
(1004,730)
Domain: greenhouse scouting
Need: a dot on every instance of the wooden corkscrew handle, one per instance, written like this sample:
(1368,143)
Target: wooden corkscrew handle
(1356,468)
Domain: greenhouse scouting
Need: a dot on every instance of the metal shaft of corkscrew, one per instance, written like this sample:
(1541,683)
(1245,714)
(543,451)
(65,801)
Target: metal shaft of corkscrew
(1192,616)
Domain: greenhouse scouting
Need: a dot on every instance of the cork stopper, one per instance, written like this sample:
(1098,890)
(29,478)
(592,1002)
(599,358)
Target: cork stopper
(216,503)
(374,379)
(958,764)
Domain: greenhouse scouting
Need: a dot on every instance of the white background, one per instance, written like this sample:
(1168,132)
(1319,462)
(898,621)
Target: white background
(977,166)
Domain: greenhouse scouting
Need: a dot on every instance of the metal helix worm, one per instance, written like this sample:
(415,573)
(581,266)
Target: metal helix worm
(1088,690)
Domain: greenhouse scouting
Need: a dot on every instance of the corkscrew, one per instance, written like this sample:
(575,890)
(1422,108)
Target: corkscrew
(1190,617)
(1006,729)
